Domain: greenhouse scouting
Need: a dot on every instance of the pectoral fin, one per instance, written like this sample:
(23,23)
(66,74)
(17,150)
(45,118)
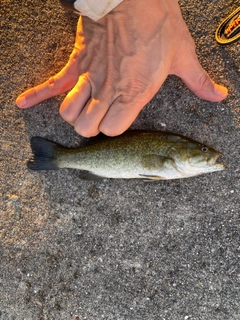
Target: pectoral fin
(155,162)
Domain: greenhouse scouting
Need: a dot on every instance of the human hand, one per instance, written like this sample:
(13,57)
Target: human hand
(120,62)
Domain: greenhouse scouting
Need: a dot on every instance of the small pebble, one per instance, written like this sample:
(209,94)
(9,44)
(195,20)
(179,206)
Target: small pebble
(14,197)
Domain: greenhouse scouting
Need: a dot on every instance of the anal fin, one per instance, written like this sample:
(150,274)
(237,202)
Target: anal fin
(151,178)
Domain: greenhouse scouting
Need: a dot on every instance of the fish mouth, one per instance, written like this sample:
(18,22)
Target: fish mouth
(216,161)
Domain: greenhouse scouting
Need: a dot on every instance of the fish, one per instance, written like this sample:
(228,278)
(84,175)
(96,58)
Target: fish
(135,154)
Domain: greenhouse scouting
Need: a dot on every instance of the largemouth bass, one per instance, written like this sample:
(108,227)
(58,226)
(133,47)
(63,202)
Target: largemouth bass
(134,154)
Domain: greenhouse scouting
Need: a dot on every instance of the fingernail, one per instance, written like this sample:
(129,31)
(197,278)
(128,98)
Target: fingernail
(21,102)
(221,91)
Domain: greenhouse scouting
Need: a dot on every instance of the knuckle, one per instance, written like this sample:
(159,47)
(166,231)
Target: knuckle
(204,81)
(136,87)
(63,114)
(35,93)
(66,114)
(110,130)
(52,85)
(84,131)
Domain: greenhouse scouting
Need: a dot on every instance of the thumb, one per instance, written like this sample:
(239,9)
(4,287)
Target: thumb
(199,82)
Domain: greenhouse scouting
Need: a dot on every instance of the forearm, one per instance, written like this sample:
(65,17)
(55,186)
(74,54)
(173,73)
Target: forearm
(94,9)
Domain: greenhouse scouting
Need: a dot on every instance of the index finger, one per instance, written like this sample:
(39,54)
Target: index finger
(54,86)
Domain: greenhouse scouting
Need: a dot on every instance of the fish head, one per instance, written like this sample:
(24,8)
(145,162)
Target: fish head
(204,158)
(193,158)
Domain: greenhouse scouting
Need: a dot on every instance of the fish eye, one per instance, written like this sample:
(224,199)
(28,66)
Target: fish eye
(204,149)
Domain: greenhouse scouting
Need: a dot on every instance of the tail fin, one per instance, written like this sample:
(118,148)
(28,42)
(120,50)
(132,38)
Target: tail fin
(44,154)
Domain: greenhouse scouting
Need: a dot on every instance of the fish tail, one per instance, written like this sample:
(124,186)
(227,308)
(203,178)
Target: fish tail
(44,154)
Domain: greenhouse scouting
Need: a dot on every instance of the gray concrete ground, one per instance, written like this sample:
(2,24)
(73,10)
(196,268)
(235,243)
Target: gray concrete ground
(72,249)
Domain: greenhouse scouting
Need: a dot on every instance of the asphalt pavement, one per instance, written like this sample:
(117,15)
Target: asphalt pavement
(116,249)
